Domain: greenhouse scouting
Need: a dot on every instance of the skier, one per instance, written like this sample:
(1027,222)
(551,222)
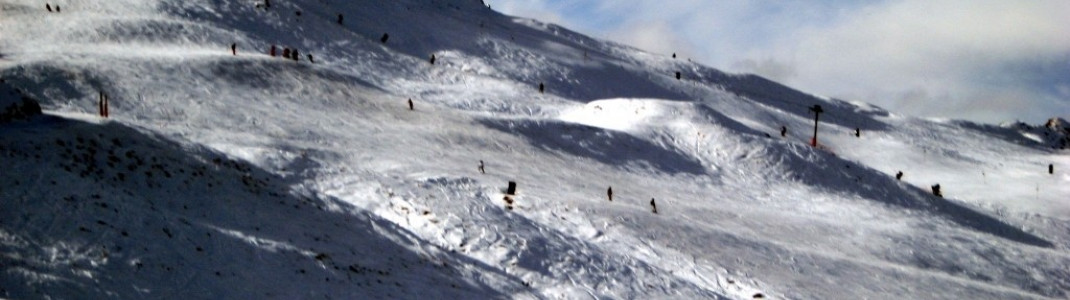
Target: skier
(384,38)
(481,170)
(234,49)
(310,58)
(272,50)
(294,55)
(411,108)
(653,205)
(858,132)
(1051,168)
(432,59)
(677,75)
(339,19)
(48,7)
(783,131)
(286,53)
(542,88)
(899,175)
(609,193)
(57,7)
(936,190)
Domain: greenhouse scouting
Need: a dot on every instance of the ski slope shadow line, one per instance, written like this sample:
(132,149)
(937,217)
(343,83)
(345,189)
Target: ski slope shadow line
(877,186)
(606,146)
(211,194)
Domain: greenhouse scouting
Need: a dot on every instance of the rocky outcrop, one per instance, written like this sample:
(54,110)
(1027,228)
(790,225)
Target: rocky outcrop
(15,106)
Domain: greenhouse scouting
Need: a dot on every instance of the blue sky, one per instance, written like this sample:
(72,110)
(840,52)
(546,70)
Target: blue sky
(982,60)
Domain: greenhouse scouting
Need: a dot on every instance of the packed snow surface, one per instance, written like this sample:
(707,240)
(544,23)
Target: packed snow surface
(240,175)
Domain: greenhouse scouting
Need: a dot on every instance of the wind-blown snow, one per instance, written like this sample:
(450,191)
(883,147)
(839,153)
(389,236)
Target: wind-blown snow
(251,176)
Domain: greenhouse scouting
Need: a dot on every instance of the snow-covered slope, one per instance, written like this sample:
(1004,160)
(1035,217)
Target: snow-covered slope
(242,175)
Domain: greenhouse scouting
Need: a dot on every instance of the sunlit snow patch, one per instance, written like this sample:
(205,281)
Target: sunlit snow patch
(614,114)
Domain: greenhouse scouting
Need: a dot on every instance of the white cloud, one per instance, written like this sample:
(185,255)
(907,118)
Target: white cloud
(989,60)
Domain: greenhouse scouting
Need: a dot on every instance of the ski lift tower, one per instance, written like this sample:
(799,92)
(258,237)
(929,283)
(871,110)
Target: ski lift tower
(817,114)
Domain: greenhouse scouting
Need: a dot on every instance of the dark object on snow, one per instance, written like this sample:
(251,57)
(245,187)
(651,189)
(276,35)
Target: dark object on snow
(1051,168)
(339,19)
(286,53)
(511,190)
(57,7)
(432,59)
(542,88)
(384,38)
(677,75)
(298,13)
(653,205)
(936,190)
(48,7)
(267,3)
(102,104)
(411,108)
(899,175)
(508,202)
(273,50)
(234,49)
(609,193)
(674,55)
(858,132)
(817,114)
(310,60)
(481,170)
(295,56)
(758,296)
(783,131)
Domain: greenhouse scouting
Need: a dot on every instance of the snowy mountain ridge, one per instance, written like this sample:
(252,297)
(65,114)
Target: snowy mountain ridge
(222,174)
